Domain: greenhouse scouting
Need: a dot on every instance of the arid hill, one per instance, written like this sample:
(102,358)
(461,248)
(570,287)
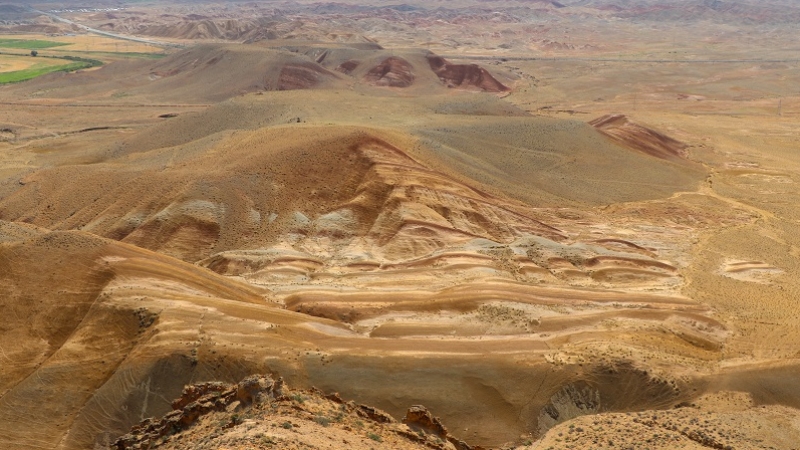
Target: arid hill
(465,75)
(137,322)
(271,414)
(196,75)
(306,239)
(403,69)
(555,225)
(200,74)
(204,28)
(391,72)
(633,135)
(304,182)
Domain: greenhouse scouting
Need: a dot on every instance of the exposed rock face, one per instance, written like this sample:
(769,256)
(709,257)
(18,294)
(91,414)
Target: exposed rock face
(392,72)
(196,391)
(465,76)
(196,401)
(348,67)
(210,413)
(570,402)
(248,390)
(374,414)
(419,419)
(619,128)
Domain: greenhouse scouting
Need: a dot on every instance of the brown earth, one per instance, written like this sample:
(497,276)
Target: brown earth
(261,413)
(645,140)
(199,74)
(465,75)
(534,279)
(359,210)
(395,246)
(723,420)
(302,76)
(392,72)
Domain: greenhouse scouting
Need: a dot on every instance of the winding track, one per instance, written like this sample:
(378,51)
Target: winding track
(111,35)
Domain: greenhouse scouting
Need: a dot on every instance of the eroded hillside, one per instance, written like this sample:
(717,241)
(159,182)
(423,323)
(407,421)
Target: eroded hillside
(396,227)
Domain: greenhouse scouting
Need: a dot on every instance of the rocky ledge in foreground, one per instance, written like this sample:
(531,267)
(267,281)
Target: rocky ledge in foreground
(262,413)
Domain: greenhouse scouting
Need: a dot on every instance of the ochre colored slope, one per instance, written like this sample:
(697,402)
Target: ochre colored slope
(640,138)
(65,336)
(126,322)
(399,245)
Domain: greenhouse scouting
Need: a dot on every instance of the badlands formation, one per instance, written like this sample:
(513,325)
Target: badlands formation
(317,225)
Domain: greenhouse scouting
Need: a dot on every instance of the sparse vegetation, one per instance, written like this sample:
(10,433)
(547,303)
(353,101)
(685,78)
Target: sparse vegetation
(322,420)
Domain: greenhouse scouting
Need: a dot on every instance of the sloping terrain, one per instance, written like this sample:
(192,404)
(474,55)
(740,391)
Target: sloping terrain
(391,72)
(557,160)
(197,75)
(721,420)
(702,10)
(200,74)
(493,29)
(204,28)
(467,76)
(261,413)
(349,229)
(128,322)
(633,135)
(257,70)
(62,346)
(20,19)
(276,25)
(397,227)
(304,182)
(404,68)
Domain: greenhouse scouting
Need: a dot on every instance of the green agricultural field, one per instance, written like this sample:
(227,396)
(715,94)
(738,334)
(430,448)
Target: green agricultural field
(40,69)
(29,44)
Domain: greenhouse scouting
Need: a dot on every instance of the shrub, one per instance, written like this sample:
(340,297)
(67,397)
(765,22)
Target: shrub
(322,420)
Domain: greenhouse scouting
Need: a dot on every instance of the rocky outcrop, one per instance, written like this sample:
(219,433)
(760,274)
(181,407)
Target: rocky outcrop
(348,67)
(196,401)
(205,403)
(646,140)
(196,391)
(418,417)
(392,72)
(420,420)
(465,76)
(374,414)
